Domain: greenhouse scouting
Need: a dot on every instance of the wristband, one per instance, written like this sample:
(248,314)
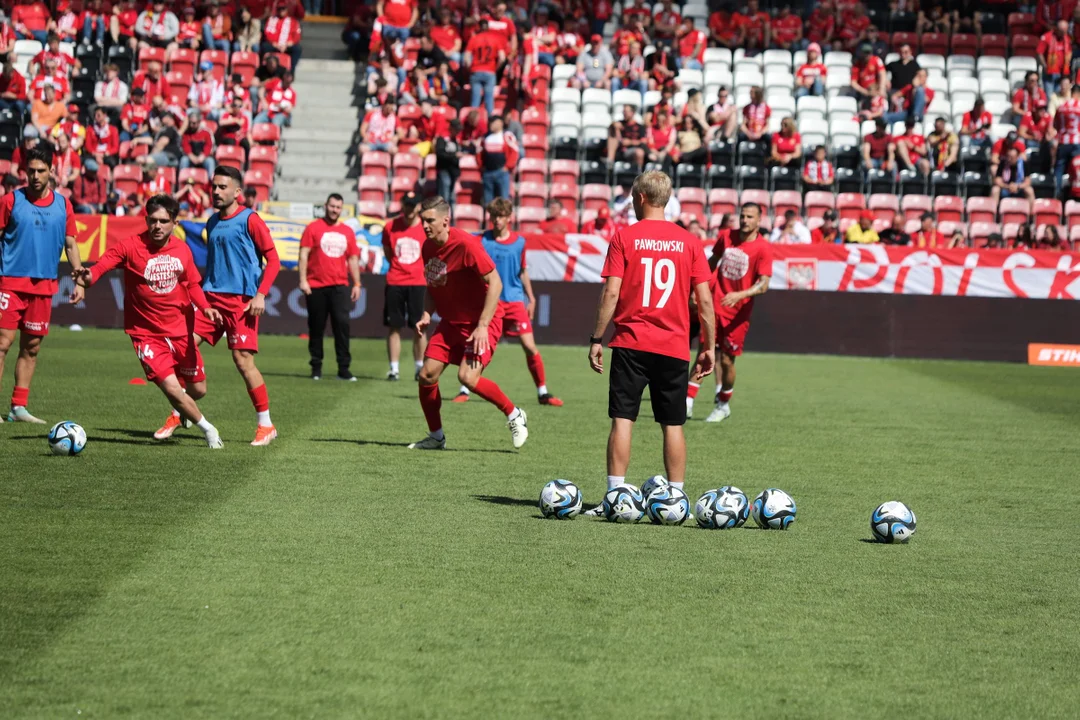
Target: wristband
(596,340)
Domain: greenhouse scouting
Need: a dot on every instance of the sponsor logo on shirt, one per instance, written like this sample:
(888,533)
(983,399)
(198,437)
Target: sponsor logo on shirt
(333,244)
(735,264)
(407,250)
(162,273)
(435,272)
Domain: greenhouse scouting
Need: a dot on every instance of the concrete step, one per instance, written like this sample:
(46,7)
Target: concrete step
(329,118)
(331,159)
(298,147)
(342,136)
(302,171)
(323,66)
(327,184)
(308,195)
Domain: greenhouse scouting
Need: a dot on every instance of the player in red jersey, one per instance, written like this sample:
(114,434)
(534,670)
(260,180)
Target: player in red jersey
(463,288)
(161,283)
(403,301)
(652,268)
(742,261)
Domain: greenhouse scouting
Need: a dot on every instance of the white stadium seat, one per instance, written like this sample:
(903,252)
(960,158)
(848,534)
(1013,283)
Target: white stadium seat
(721,55)
(595,99)
(1000,130)
(961,65)
(691,79)
(1028,64)
(782,106)
(779,58)
(988,63)
(963,84)
(811,106)
(561,74)
(627,97)
(845,103)
(837,59)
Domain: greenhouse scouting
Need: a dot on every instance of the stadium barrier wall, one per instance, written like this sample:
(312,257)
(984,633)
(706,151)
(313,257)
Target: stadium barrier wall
(837,323)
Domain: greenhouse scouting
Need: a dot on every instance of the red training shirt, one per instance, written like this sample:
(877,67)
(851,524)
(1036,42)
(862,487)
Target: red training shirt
(455,277)
(33,286)
(740,266)
(402,245)
(331,247)
(485,49)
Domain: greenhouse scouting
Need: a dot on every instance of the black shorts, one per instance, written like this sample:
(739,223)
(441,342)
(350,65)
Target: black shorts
(666,377)
(403,305)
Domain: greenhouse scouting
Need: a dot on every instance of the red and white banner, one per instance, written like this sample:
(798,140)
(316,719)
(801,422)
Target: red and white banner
(856,268)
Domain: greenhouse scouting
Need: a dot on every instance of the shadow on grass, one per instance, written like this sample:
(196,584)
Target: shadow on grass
(332,377)
(503,500)
(383,443)
(143,434)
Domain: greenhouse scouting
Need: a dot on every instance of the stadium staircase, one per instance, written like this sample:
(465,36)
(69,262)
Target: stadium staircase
(320,148)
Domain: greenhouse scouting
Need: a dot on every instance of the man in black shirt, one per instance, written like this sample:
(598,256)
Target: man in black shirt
(894,234)
(271,68)
(902,71)
(430,56)
(448,161)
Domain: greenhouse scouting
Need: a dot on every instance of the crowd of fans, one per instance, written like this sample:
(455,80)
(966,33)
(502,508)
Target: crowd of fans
(475,90)
(144,98)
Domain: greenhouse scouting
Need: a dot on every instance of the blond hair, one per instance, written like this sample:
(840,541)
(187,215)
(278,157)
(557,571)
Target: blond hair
(436,203)
(655,186)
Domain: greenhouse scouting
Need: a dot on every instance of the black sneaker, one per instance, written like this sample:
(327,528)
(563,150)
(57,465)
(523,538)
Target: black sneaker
(346,376)
(316,374)
(392,376)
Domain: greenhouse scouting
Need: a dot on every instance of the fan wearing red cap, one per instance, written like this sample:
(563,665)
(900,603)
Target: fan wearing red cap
(863,231)
(810,77)
(602,225)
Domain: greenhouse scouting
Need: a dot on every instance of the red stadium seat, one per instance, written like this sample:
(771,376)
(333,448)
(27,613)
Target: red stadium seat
(183,60)
(1040,231)
(168,174)
(408,166)
(230,155)
(1072,213)
(245,63)
(849,205)
(994,45)
(408,115)
(935,43)
(469,191)
(1047,211)
(784,200)
(371,209)
(219,58)
(266,134)
(949,227)
(692,201)
(529,219)
(400,185)
(761,197)
(915,205)
(536,146)
(723,201)
(126,178)
(817,202)
(965,44)
(1009,231)
(904,38)
(1013,210)
(199,175)
(470,170)
(531,194)
(884,205)
(429,168)
(535,121)
(1024,45)
(980,231)
(565,172)
(595,196)
(264,158)
(372,189)
(981,210)
(469,218)
(375,163)
(284,59)
(178,84)
(532,170)
(949,208)
(567,194)
(412,49)
(1021,23)
(148,55)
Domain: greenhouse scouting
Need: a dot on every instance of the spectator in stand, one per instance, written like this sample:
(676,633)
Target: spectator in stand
(1037,133)
(190,33)
(484,54)
(1030,95)
(379,131)
(153,182)
(103,140)
(95,23)
(827,233)
(31,20)
(399,18)
(640,11)
(666,22)
(112,92)
(448,154)
(501,23)
(866,72)
(271,68)
(197,144)
(279,99)
(1062,96)
(473,131)
(7,38)
(756,28)
(976,123)
(626,139)
(247,31)
(557,221)
(151,81)
(1051,240)
(630,72)
(282,34)
(928,235)
(158,28)
(791,231)
(821,25)
(894,234)
(13,88)
(933,18)
(71,127)
(787,30)
(661,66)
(1067,125)
(965,16)
(68,23)
(911,149)
(31,138)
(902,71)
(755,123)
(1025,238)
(122,23)
(135,117)
(1010,179)
(90,191)
(690,142)
(497,159)
(66,164)
(236,89)
(192,198)
(64,62)
(234,127)
(50,76)
(854,26)
(875,106)
(944,146)
(863,231)
(165,150)
(695,108)
(1054,54)
(999,148)
(723,30)
(602,12)
(810,77)
(429,57)
(818,172)
(595,66)
(217,28)
(442,87)
(723,116)
(45,114)
(660,140)
(878,46)
(958,240)
(692,44)
(427,128)
(601,225)
(785,149)
(544,35)
(912,100)
(879,150)
(207,93)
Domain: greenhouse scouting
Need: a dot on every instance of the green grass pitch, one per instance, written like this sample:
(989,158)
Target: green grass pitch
(337,574)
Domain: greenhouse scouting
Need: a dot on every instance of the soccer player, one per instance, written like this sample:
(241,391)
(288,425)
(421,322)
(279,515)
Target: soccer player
(161,283)
(237,244)
(329,258)
(38,225)
(743,265)
(517,304)
(652,268)
(464,288)
(403,300)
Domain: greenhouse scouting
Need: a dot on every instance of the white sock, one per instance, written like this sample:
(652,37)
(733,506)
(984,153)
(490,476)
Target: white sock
(419,364)
(514,414)
(464,391)
(205,426)
(176,413)
(542,390)
(615,481)
(395,367)
(676,485)
(437,434)
(264,418)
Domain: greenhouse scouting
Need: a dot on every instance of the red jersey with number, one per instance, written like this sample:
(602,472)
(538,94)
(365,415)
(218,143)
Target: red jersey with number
(740,266)
(331,247)
(160,285)
(402,245)
(455,277)
(485,48)
(660,264)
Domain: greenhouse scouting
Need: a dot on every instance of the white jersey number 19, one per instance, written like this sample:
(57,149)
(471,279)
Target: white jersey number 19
(663,276)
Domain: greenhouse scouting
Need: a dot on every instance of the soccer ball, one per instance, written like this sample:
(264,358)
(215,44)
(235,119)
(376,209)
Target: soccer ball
(656,481)
(892,522)
(723,508)
(667,506)
(773,509)
(67,438)
(623,504)
(560,499)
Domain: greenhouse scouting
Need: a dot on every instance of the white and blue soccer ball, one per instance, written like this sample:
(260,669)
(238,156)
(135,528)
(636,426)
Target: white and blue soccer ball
(773,509)
(560,499)
(667,505)
(722,509)
(67,438)
(653,483)
(623,504)
(892,522)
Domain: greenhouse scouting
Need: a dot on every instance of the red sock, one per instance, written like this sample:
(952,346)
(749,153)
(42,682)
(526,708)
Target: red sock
(692,390)
(19,396)
(536,367)
(259,398)
(488,390)
(431,403)
(725,395)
